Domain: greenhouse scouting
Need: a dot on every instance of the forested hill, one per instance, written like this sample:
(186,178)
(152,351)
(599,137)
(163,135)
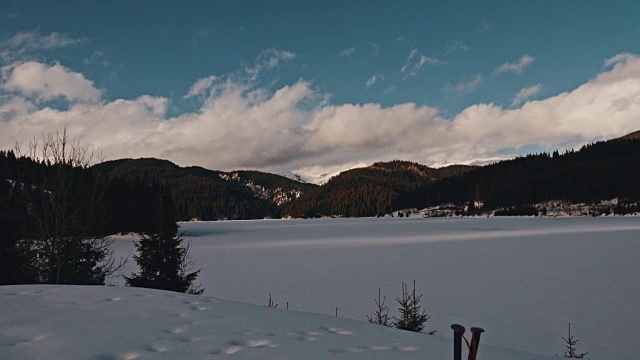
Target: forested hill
(209,194)
(367,191)
(633,136)
(599,171)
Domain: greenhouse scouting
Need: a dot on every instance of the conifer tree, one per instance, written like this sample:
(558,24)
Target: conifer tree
(571,352)
(381,315)
(164,258)
(412,317)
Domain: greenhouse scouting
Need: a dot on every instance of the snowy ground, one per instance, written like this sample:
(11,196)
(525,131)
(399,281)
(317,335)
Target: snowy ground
(521,279)
(116,323)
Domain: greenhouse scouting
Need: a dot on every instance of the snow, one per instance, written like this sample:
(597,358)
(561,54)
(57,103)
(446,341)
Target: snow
(118,323)
(521,279)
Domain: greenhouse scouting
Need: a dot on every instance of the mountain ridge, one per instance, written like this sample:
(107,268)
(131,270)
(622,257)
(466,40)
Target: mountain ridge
(388,186)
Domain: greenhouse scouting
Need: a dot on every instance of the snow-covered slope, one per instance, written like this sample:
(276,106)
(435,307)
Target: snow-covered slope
(110,323)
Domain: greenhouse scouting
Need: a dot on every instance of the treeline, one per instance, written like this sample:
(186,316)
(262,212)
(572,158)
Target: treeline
(598,171)
(201,193)
(368,191)
(54,215)
(121,205)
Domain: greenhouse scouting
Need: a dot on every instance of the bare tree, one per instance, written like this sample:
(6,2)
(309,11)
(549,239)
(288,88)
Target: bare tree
(381,315)
(65,206)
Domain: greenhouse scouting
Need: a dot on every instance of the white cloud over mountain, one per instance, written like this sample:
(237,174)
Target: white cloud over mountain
(241,126)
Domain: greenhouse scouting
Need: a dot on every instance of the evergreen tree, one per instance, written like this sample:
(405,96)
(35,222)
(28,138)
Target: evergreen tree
(412,317)
(571,352)
(164,264)
(164,258)
(381,315)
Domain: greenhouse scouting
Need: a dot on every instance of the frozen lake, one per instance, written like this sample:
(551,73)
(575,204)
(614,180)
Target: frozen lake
(521,279)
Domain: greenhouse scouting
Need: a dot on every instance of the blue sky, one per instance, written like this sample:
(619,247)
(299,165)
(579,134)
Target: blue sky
(445,56)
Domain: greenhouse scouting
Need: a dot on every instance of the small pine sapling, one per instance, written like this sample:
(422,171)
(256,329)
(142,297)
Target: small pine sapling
(571,352)
(381,315)
(271,304)
(412,317)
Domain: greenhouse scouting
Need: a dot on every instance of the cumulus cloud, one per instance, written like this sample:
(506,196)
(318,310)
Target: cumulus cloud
(526,93)
(293,128)
(416,61)
(47,82)
(464,87)
(516,67)
(347,52)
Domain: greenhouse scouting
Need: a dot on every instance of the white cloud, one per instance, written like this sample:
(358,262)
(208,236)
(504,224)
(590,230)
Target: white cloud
(272,57)
(240,126)
(268,59)
(24,43)
(416,61)
(464,87)
(516,67)
(486,26)
(457,46)
(34,40)
(200,87)
(47,82)
(97,57)
(347,52)
(373,79)
(526,93)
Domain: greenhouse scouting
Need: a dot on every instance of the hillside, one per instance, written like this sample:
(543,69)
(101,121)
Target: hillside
(633,136)
(604,170)
(209,194)
(107,322)
(367,191)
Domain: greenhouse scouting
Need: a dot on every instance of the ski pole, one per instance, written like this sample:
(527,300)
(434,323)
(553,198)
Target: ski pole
(458,331)
(475,342)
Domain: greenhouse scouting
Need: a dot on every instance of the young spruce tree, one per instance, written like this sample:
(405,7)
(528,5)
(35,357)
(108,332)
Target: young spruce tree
(412,317)
(381,315)
(164,258)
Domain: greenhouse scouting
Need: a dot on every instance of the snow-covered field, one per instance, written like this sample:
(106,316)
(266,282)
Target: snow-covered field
(117,323)
(521,279)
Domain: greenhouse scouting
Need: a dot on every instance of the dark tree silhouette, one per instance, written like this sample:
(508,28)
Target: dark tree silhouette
(164,264)
(381,314)
(571,352)
(64,206)
(164,258)
(412,317)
